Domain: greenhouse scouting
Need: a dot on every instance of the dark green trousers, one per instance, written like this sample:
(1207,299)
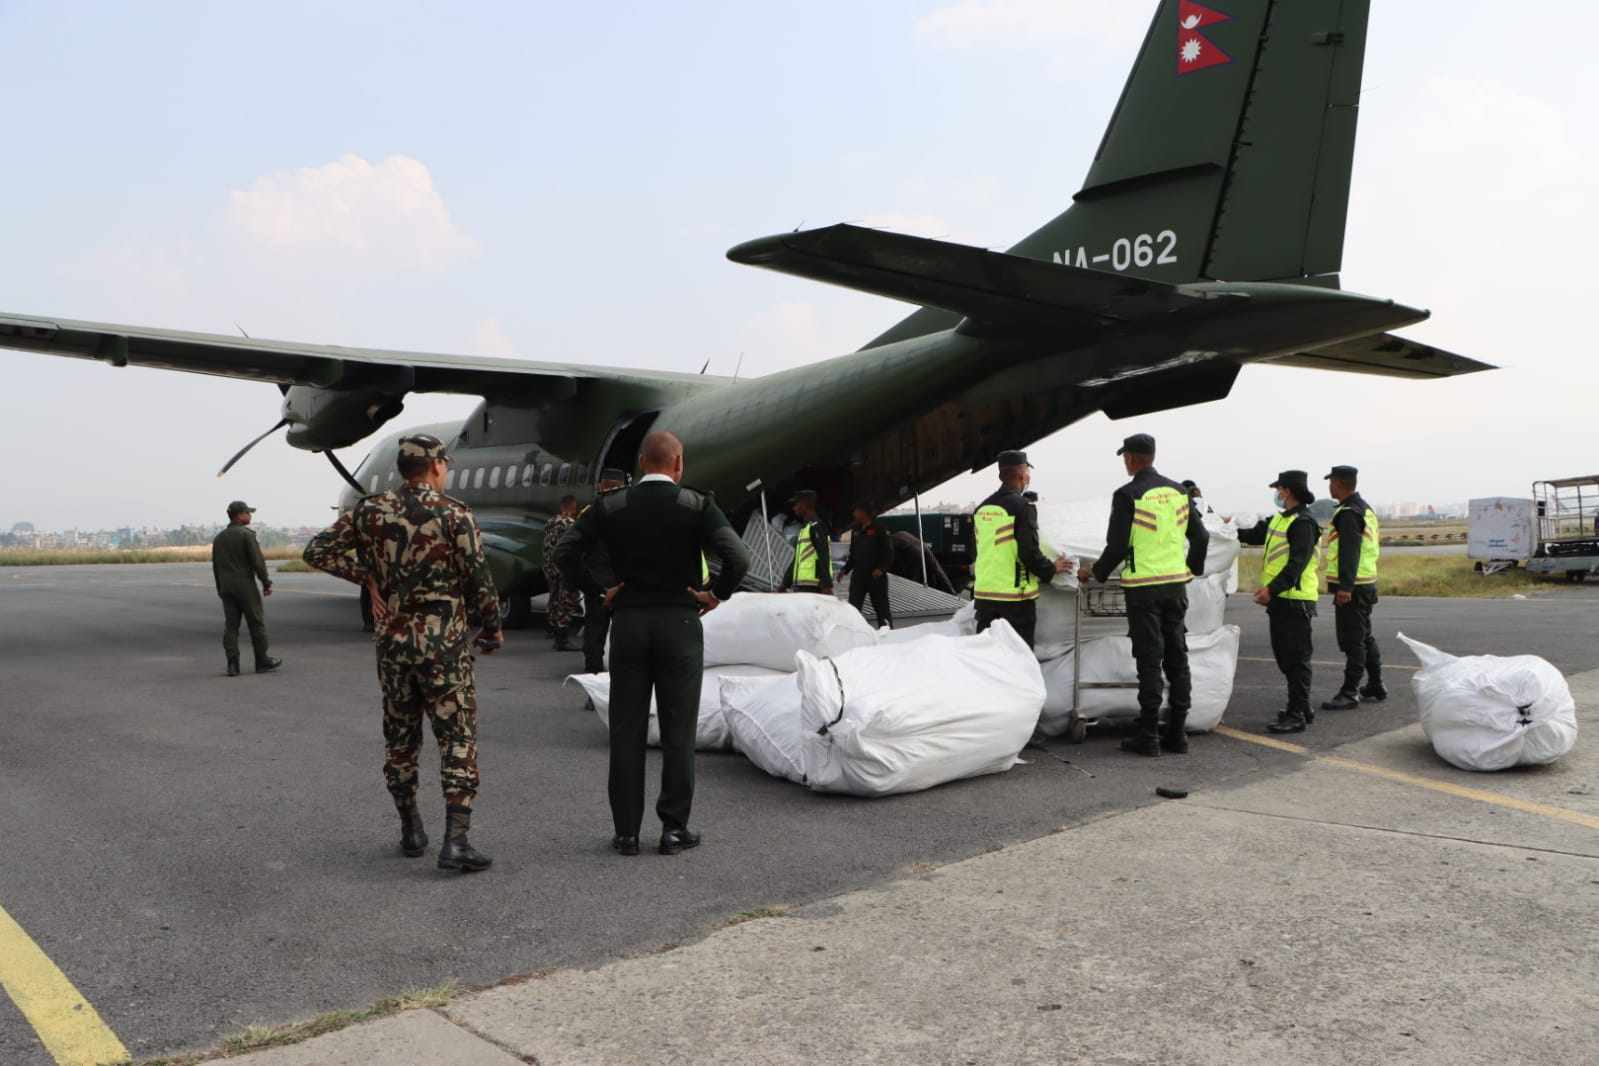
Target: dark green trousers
(243,602)
(659,650)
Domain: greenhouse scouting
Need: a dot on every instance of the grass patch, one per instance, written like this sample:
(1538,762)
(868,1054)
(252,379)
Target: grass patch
(296,566)
(84,556)
(756,915)
(1421,575)
(260,1037)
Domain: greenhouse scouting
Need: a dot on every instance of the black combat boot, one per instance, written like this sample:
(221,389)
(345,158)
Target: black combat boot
(233,666)
(413,838)
(1346,699)
(1288,722)
(562,643)
(457,852)
(269,663)
(1174,738)
(1374,691)
(1145,740)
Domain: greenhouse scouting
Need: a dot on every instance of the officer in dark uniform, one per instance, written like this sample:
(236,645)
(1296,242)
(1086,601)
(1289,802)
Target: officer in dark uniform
(646,545)
(812,570)
(1163,544)
(236,565)
(596,616)
(1352,555)
(1288,590)
(871,560)
(1010,565)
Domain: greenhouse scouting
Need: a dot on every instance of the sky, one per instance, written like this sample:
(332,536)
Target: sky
(562,181)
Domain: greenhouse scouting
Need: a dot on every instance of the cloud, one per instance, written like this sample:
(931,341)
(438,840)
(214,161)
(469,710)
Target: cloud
(490,338)
(915,225)
(386,213)
(1028,23)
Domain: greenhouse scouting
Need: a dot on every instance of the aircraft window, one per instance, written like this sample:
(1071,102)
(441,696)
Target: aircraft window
(546,474)
(449,479)
(527,476)
(494,478)
(510,476)
(477,479)
(375,480)
(566,473)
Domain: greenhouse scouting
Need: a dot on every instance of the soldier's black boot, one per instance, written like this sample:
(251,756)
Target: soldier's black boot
(269,663)
(413,838)
(1174,737)
(457,852)
(1375,690)
(1288,722)
(1346,699)
(1147,740)
(562,643)
(233,666)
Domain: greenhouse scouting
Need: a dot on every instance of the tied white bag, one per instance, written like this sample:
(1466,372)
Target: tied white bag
(910,716)
(1490,712)
(1212,664)
(711,733)
(763,715)
(767,628)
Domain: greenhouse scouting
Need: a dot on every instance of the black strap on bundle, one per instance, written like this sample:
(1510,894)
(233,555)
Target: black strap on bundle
(822,732)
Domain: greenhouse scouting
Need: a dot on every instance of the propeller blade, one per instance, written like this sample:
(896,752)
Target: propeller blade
(345,474)
(240,454)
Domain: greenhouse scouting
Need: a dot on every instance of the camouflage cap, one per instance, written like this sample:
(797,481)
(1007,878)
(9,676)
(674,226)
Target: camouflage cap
(611,473)
(423,446)
(239,507)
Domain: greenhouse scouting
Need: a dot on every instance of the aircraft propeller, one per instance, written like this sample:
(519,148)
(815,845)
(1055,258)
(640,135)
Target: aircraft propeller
(240,453)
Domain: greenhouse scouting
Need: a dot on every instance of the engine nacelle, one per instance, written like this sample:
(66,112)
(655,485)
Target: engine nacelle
(322,419)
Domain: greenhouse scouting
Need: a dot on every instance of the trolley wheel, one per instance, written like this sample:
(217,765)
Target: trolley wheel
(1077,732)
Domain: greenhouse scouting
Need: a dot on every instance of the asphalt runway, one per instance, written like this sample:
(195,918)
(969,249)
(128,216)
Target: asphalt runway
(199,853)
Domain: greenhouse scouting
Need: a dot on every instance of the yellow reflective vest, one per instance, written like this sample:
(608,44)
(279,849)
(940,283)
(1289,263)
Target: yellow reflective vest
(1157,549)
(1276,560)
(1000,574)
(806,564)
(1370,549)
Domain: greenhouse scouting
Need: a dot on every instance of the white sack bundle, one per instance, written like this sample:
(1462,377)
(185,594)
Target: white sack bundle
(1489,712)
(763,714)
(711,732)
(1212,664)
(947,628)
(905,717)
(767,628)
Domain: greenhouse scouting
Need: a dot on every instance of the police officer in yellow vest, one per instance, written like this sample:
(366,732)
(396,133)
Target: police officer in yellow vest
(1352,552)
(813,558)
(1163,546)
(1288,587)
(1010,565)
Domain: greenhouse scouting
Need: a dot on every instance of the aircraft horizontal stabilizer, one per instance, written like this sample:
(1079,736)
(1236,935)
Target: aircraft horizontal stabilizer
(1386,354)
(990,287)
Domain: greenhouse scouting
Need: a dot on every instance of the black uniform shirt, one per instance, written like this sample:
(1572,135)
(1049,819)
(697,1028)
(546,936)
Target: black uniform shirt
(1350,525)
(871,548)
(1032,559)
(1118,537)
(1303,534)
(649,539)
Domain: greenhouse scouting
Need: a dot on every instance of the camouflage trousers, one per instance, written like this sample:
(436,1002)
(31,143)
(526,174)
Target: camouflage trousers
(563,601)
(449,704)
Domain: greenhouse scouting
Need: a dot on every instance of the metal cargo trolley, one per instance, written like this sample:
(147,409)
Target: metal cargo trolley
(1098,601)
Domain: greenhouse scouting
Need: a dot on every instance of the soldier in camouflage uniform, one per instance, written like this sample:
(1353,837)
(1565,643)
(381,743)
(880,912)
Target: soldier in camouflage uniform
(421,553)
(563,596)
(236,565)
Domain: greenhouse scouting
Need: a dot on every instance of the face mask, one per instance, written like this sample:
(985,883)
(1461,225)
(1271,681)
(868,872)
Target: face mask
(1279,501)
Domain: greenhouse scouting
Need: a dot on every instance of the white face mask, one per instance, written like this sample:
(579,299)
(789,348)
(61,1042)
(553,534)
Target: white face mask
(1280,501)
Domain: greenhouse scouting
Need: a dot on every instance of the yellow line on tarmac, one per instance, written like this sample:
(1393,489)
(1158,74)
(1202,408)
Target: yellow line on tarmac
(68,1026)
(1448,788)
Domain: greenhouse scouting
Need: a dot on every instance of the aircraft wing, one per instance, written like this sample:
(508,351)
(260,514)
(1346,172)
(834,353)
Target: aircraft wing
(1385,354)
(980,284)
(292,363)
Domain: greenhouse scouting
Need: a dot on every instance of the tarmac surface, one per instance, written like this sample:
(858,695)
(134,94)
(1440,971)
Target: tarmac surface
(199,853)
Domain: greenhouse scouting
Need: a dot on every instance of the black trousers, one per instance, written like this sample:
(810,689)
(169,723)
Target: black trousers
(1291,645)
(596,624)
(1022,616)
(1156,624)
(1353,623)
(659,651)
(243,603)
(864,585)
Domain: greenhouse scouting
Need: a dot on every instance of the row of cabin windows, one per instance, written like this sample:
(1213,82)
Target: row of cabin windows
(497,476)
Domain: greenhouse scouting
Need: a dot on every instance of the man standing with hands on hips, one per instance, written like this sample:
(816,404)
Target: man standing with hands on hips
(645,546)
(1353,548)
(1288,589)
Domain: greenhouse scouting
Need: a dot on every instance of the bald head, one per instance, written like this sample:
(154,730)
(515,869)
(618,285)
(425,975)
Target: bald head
(662,453)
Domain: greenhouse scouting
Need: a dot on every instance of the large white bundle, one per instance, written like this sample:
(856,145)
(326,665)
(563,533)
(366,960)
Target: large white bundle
(906,717)
(950,627)
(1489,712)
(763,714)
(766,629)
(1207,603)
(710,734)
(1212,664)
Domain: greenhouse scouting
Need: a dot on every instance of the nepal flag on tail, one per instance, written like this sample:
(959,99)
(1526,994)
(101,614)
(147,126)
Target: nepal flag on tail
(1194,49)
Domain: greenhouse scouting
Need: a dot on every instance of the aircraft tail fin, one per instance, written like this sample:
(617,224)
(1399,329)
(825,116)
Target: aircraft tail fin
(1228,156)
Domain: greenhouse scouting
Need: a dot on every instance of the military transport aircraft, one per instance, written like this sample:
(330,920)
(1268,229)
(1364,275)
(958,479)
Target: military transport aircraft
(1208,234)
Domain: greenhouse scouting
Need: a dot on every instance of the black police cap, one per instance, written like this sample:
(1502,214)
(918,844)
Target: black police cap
(1138,444)
(1342,473)
(1290,478)
(612,473)
(1013,458)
